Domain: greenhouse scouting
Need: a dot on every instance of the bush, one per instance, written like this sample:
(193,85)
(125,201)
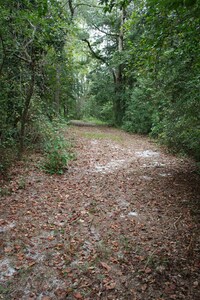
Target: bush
(138,115)
(8,151)
(56,161)
(57,151)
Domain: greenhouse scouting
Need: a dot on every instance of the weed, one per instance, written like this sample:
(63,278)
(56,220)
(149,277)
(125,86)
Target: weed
(57,156)
(100,277)
(126,243)
(22,183)
(94,121)
(93,207)
(154,261)
(103,251)
(5,191)
(4,290)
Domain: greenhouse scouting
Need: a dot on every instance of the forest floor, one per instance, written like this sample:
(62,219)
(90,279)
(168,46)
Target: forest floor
(121,223)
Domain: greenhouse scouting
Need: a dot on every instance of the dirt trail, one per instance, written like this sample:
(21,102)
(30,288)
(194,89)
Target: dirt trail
(121,223)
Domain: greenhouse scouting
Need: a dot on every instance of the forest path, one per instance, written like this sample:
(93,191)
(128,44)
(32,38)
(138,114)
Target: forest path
(121,223)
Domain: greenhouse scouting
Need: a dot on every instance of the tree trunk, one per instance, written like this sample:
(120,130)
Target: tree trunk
(25,110)
(118,105)
(57,91)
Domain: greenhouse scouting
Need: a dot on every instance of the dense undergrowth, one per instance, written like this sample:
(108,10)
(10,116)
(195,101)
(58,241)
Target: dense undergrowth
(45,137)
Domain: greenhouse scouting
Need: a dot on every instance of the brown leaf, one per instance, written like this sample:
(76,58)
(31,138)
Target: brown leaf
(110,285)
(7,249)
(46,298)
(20,256)
(144,287)
(148,270)
(78,296)
(105,266)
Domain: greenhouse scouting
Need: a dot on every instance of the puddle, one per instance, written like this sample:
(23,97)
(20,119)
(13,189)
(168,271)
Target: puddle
(6,269)
(109,167)
(147,153)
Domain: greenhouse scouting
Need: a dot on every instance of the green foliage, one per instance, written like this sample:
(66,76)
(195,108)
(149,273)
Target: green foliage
(99,103)
(8,155)
(57,151)
(146,71)
(163,73)
(56,158)
(138,115)
(36,72)
(94,120)
(8,148)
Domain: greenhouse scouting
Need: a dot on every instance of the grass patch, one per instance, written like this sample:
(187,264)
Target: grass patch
(101,136)
(94,121)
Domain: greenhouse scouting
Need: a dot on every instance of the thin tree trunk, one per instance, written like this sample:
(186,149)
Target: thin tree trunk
(26,109)
(118,105)
(57,91)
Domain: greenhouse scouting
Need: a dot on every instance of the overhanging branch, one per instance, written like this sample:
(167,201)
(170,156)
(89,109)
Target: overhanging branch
(107,33)
(97,56)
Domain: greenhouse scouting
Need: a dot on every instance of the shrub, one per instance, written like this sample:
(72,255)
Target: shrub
(138,115)
(57,151)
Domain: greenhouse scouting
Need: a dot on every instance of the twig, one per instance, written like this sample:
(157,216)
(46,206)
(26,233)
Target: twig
(177,221)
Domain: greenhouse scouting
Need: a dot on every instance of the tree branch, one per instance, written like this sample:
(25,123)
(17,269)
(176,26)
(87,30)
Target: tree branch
(30,41)
(33,35)
(89,5)
(71,8)
(94,53)
(23,58)
(109,34)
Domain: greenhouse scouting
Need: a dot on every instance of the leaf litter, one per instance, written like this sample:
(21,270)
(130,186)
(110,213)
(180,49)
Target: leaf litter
(121,223)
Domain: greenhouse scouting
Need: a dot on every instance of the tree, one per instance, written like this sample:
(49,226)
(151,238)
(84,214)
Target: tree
(30,31)
(163,44)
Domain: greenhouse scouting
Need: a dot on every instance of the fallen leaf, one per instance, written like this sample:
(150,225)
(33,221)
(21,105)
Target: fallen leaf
(110,286)
(46,298)
(105,266)
(78,296)
(7,249)
(148,270)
